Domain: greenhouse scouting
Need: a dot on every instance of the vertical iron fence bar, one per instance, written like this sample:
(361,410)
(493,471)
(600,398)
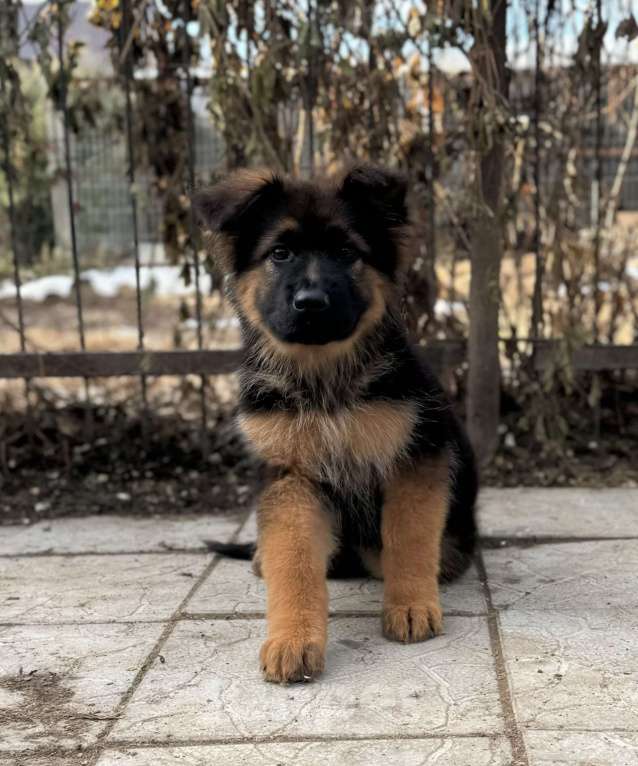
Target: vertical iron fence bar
(598,171)
(194,240)
(311,86)
(69,178)
(537,300)
(127,67)
(66,129)
(373,148)
(430,172)
(17,277)
(598,197)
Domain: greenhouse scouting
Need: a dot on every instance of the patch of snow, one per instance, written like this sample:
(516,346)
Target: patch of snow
(445,308)
(162,280)
(223,323)
(227,322)
(57,285)
(603,286)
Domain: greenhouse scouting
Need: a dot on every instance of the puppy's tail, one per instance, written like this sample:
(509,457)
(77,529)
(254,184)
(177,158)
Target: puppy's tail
(243,551)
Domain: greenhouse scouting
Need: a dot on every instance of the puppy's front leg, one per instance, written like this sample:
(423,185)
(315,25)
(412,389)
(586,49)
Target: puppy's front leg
(295,541)
(413,521)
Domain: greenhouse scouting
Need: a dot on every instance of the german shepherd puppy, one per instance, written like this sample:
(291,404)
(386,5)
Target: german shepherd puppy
(370,470)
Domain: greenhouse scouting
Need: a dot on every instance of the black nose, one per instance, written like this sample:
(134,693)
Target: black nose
(310,299)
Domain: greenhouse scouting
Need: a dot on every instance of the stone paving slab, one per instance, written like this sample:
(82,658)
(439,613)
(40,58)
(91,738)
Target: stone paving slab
(558,748)
(248,532)
(116,534)
(236,590)
(466,751)
(125,588)
(81,672)
(559,512)
(579,575)
(210,685)
(573,671)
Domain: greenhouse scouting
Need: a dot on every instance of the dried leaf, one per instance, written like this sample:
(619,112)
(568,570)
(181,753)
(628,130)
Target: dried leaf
(628,28)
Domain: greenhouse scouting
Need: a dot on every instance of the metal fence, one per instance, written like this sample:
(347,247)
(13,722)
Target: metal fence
(121,191)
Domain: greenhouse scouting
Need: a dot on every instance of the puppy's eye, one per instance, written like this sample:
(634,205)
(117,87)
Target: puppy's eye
(348,253)
(280,254)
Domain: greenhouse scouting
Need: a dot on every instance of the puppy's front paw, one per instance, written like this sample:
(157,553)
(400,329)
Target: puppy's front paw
(287,659)
(414,622)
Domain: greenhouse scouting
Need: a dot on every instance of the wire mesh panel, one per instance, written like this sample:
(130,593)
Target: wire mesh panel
(102,188)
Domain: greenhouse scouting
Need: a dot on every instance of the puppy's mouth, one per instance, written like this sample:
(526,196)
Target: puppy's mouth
(314,329)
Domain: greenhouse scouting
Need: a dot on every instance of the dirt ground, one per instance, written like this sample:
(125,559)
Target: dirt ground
(109,454)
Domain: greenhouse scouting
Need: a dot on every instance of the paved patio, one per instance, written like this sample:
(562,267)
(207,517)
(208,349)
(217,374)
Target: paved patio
(124,643)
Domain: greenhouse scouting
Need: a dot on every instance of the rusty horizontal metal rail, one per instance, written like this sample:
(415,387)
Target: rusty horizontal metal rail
(441,355)
(587,358)
(90,364)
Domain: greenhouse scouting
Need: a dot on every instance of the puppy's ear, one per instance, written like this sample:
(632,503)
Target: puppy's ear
(224,207)
(233,212)
(370,190)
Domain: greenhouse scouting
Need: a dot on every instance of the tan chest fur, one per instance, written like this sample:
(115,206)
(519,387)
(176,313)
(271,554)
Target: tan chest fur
(349,447)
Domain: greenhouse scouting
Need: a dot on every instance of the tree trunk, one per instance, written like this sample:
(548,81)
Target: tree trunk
(487,249)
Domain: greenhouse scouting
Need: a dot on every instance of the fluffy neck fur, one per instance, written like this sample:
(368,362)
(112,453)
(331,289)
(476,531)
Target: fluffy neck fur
(338,383)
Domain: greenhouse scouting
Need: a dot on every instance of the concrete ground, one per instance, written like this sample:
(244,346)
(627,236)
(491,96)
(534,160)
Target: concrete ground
(124,643)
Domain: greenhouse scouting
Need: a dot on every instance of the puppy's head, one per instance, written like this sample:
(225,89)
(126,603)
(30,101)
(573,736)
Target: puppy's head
(310,265)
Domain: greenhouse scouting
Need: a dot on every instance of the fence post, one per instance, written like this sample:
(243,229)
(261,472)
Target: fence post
(484,376)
